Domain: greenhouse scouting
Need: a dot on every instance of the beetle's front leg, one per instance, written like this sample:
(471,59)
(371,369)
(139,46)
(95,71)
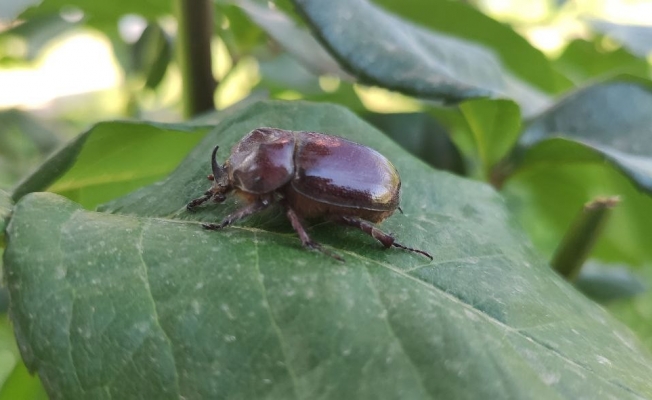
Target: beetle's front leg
(249,209)
(193,204)
(367,227)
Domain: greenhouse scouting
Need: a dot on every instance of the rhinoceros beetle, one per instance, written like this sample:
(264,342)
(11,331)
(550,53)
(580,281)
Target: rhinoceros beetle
(312,175)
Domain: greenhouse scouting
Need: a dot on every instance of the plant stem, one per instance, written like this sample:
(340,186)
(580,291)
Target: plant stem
(579,239)
(195,21)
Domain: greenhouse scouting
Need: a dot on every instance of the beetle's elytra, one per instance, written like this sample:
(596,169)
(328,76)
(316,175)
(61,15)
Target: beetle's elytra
(312,175)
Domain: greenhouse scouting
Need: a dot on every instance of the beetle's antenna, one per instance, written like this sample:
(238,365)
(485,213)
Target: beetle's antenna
(423,253)
(214,166)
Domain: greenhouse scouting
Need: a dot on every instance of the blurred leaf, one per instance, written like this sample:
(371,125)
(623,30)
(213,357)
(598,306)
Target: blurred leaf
(103,15)
(636,312)
(240,35)
(607,283)
(463,21)
(5,210)
(611,119)
(495,125)
(636,38)
(9,10)
(139,306)
(589,144)
(35,34)
(423,136)
(284,73)
(583,60)
(24,141)
(111,158)
(15,382)
(410,59)
(152,53)
(295,40)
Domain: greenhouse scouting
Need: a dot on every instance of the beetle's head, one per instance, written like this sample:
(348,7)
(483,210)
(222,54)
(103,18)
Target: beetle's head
(221,185)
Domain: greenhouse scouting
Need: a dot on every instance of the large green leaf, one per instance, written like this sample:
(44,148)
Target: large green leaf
(381,49)
(150,305)
(597,141)
(111,159)
(459,19)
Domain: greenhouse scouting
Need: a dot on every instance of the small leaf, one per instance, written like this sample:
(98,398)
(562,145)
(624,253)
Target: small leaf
(147,304)
(381,49)
(495,125)
(152,53)
(110,159)
(609,283)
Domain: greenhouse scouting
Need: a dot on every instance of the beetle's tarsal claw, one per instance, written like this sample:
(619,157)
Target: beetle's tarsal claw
(193,204)
(318,247)
(423,253)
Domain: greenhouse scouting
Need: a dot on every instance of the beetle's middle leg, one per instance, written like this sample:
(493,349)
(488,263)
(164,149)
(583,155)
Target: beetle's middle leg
(251,208)
(308,243)
(367,227)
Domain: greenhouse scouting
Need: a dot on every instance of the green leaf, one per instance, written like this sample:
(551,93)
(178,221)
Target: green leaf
(110,159)
(608,283)
(100,14)
(411,59)
(463,21)
(5,210)
(610,119)
(595,142)
(636,38)
(583,60)
(421,135)
(294,39)
(140,306)
(636,311)
(152,53)
(495,125)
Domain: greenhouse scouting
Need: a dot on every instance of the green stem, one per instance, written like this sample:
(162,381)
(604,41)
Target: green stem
(195,21)
(579,239)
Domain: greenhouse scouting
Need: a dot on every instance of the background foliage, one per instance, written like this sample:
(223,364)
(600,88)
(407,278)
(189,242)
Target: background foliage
(456,84)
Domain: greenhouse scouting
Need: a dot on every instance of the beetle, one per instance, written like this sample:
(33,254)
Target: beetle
(312,175)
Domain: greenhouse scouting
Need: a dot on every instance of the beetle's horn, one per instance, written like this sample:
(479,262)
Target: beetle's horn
(214,166)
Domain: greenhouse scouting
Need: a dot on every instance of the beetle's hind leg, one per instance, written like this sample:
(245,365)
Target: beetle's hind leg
(308,243)
(367,227)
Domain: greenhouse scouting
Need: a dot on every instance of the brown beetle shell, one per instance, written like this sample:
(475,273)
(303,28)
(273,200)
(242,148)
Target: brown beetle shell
(326,174)
(344,177)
